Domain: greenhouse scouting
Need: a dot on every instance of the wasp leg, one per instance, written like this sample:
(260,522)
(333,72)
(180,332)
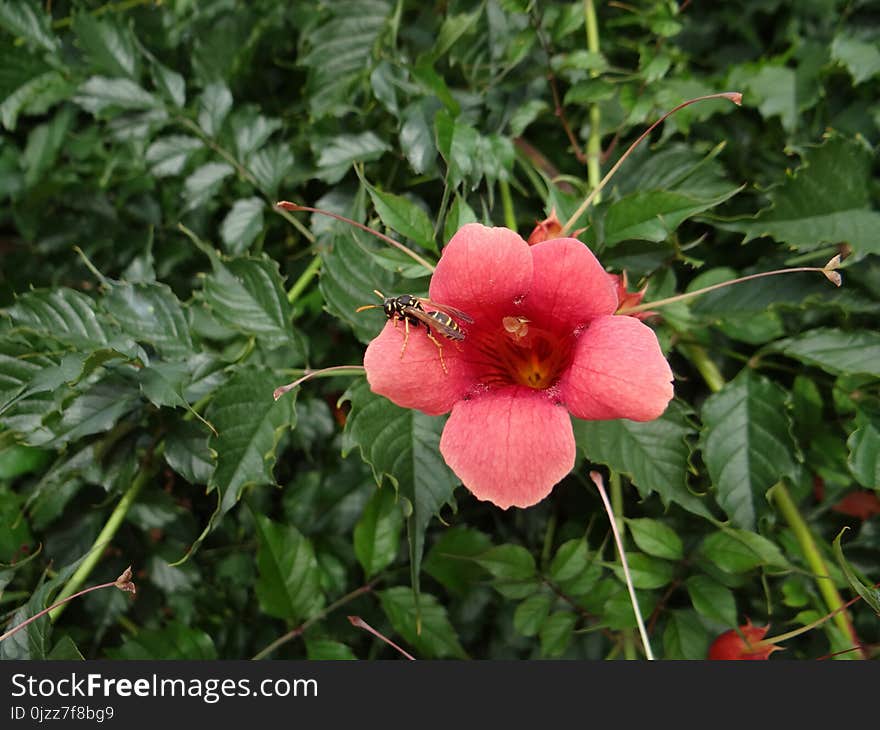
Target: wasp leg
(439,350)
(405,336)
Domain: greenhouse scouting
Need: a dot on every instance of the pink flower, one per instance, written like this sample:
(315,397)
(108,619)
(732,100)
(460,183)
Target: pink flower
(544,343)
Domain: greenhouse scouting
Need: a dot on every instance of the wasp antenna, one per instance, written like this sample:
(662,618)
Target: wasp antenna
(367,306)
(378,294)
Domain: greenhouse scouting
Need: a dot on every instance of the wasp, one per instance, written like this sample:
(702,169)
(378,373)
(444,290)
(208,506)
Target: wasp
(411,310)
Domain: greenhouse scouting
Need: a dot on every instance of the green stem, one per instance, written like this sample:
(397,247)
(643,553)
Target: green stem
(507,204)
(104,537)
(779,493)
(705,365)
(594,142)
(304,280)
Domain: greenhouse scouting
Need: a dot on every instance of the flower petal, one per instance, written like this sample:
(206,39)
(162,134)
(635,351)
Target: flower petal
(482,271)
(569,285)
(509,446)
(618,371)
(416,380)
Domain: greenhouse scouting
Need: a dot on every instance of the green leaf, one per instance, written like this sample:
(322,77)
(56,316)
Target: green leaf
(70,318)
(404,217)
(167,156)
(26,20)
(99,94)
(836,351)
(403,445)
(747,444)
(861,59)
(570,560)
(738,551)
(327,650)
(204,182)
(377,533)
(556,633)
(869,593)
(174,641)
(16,460)
(170,83)
(152,314)
(340,152)
(655,455)
(288,583)
(417,136)
(214,104)
(508,562)
(97,410)
(825,201)
(453,28)
(431,634)
(270,165)
(242,225)
(34,96)
(247,294)
(457,143)
(249,423)
(449,561)
(685,637)
(110,47)
(530,615)
(712,600)
(654,215)
(656,538)
(187,452)
(65,650)
(864,452)
(646,572)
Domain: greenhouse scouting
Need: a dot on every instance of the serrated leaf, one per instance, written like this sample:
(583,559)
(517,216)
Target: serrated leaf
(34,96)
(204,182)
(656,538)
(270,165)
(864,453)
(570,560)
(169,82)
(869,593)
(214,104)
(167,156)
(97,409)
(151,313)
(449,561)
(99,94)
(242,225)
(417,136)
(327,650)
(655,455)
(339,153)
(825,201)
(377,533)
(109,45)
(404,217)
(530,615)
(712,600)
(738,551)
(288,583)
(247,294)
(348,279)
(836,351)
(685,637)
(70,318)
(508,562)
(26,20)
(404,446)
(861,59)
(646,572)
(556,633)
(187,452)
(747,444)
(249,423)
(174,641)
(425,626)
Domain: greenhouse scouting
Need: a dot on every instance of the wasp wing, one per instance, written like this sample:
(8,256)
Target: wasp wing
(429,321)
(452,311)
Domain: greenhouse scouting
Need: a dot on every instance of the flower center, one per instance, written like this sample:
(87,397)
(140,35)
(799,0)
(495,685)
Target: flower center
(530,355)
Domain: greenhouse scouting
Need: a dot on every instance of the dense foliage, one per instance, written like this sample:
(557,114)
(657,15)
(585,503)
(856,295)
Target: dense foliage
(153,299)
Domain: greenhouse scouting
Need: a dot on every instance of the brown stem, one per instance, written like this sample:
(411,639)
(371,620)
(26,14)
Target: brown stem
(361,624)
